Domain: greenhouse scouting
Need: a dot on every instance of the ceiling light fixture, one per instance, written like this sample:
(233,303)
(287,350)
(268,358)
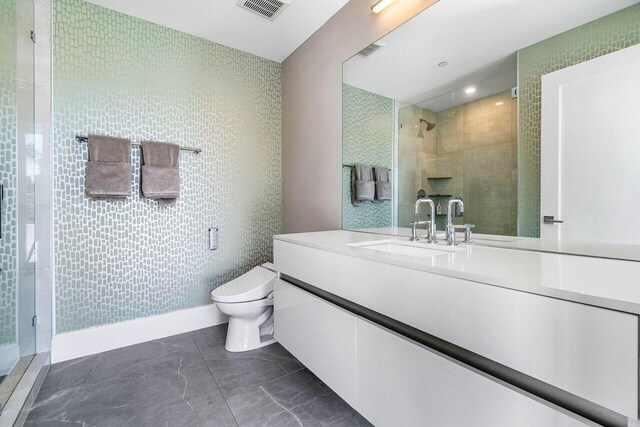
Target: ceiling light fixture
(380,5)
(470,90)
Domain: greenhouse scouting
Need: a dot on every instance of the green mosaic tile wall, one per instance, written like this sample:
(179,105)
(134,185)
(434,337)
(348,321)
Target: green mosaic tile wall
(367,137)
(122,76)
(8,170)
(608,34)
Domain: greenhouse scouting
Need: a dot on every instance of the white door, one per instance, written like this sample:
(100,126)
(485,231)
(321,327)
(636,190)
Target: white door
(590,154)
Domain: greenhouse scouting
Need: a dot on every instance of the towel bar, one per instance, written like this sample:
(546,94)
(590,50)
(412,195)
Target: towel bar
(137,144)
(344,165)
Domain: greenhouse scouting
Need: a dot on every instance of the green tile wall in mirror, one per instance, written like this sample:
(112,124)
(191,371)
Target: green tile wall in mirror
(452,103)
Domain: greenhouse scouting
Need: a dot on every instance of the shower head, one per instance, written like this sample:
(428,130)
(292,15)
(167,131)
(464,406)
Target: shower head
(430,127)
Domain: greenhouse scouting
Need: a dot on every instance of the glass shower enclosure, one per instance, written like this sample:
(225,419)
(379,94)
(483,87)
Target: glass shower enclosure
(18,169)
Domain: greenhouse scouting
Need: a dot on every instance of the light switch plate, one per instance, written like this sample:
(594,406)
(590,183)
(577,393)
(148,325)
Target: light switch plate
(213,238)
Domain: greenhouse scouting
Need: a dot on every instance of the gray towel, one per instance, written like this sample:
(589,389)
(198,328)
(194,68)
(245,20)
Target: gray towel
(381,173)
(383,186)
(109,149)
(160,176)
(354,199)
(108,174)
(362,184)
(363,172)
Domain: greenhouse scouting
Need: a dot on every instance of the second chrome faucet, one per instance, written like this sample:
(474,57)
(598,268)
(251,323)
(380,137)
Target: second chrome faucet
(451,229)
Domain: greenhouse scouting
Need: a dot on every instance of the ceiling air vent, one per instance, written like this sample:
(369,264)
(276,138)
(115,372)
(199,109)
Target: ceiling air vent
(370,49)
(269,9)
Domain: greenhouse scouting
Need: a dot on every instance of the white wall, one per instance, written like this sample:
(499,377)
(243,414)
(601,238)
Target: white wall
(312,111)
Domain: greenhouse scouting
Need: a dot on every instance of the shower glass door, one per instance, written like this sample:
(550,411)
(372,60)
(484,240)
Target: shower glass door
(18,169)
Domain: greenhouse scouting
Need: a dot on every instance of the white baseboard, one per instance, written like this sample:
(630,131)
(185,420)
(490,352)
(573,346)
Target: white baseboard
(89,341)
(9,355)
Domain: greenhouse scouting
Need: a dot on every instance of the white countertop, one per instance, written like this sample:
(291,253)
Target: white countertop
(607,283)
(601,250)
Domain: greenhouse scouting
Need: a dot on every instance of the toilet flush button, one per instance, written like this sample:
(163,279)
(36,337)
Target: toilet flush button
(213,238)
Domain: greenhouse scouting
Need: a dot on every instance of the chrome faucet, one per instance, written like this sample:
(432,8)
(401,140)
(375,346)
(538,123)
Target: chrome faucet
(431,225)
(451,229)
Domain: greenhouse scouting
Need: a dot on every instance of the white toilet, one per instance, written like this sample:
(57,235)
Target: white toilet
(248,301)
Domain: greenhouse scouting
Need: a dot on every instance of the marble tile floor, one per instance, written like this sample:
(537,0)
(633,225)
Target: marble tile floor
(188,380)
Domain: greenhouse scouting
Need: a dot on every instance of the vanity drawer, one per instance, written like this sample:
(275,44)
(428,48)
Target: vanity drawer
(401,383)
(319,334)
(587,351)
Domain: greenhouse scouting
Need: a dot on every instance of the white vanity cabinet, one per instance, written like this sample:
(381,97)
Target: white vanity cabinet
(320,335)
(401,383)
(590,352)
(482,326)
(392,381)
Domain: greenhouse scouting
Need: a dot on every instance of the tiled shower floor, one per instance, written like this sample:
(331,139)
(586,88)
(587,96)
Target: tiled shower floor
(188,380)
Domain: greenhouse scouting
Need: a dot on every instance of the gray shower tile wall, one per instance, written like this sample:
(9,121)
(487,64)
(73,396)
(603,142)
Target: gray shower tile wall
(8,171)
(450,130)
(487,189)
(477,147)
(118,75)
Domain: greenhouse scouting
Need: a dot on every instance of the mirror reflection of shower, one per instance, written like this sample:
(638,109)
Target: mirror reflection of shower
(429,128)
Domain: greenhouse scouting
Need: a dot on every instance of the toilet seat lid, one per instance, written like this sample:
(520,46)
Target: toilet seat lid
(251,286)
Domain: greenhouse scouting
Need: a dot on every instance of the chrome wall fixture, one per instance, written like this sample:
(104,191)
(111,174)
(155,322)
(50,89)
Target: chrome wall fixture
(83,139)
(430,127)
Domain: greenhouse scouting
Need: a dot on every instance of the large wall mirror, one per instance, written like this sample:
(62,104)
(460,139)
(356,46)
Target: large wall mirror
(463,102)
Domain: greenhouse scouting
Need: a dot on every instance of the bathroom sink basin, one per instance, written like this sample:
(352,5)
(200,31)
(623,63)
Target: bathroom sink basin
(404,249)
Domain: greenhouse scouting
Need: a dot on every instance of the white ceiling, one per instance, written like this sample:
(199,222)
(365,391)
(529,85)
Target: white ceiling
(477,38)
(222,21)
(498,83)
